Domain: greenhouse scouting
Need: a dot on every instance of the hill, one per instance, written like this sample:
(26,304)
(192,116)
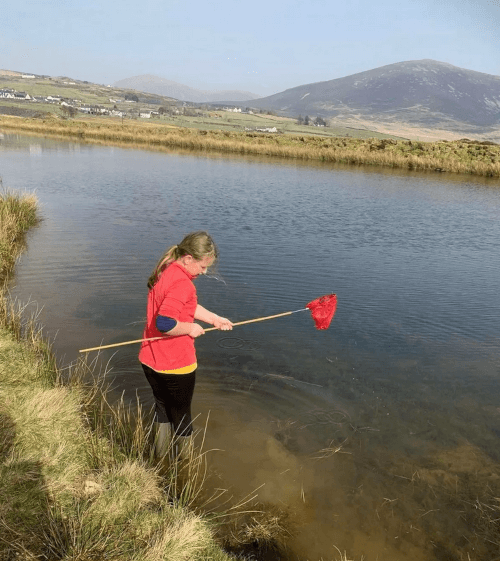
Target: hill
(423,94)
(160,86)
(38,95)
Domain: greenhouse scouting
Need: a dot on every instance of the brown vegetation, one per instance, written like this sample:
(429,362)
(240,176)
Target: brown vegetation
(462,156)
(17,216)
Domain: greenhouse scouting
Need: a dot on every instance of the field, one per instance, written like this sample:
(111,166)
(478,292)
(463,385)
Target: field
(226,120)
(206,120)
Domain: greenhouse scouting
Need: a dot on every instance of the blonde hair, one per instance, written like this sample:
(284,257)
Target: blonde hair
(197,244)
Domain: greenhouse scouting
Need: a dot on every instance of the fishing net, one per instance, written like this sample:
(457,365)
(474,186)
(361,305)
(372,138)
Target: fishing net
(322,310)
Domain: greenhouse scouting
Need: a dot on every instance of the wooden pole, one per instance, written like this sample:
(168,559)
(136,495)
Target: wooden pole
(209,329)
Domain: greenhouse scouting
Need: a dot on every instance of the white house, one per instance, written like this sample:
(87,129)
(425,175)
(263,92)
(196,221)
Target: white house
(145,115)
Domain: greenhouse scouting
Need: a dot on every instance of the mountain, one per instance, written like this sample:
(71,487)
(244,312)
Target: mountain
(160,86)
(422,93)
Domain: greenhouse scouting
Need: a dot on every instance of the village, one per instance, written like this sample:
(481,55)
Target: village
(124,104)
(75,105)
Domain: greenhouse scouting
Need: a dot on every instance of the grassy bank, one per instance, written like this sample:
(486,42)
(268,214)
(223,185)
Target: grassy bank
(462,156)
(67,492)
(17,216)
(77,477)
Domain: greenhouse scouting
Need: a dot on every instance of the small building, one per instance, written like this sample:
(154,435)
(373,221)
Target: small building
(22,95)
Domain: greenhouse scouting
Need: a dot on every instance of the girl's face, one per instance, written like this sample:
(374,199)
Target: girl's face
(195,267)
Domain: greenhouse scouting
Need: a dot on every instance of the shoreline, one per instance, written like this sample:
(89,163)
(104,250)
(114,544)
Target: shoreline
(77,474)
(458,157)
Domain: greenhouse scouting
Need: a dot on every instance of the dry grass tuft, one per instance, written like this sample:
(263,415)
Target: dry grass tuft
(18,213)
(266,527)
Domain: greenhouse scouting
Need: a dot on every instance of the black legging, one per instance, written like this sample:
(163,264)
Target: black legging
(173,394)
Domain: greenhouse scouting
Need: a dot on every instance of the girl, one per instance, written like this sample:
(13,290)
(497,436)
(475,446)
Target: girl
(170,363)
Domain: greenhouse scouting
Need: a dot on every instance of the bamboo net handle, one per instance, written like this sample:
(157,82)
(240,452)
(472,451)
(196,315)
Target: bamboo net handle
(256,319)
(209,329)
(118,344)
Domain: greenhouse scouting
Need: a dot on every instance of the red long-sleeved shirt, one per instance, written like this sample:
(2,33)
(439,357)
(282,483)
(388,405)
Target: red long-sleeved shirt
(174,295)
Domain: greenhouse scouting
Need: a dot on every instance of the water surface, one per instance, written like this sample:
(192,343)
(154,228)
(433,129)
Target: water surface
(360,429)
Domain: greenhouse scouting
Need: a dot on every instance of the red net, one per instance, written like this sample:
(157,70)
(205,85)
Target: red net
(322,310)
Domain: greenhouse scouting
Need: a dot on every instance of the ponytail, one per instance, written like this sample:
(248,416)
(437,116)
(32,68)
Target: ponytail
(170,256)
(196,244)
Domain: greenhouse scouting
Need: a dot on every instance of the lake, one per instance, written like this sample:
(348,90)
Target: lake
(380,436)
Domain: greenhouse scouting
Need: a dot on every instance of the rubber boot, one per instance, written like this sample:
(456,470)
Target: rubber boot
(184,464)
(184,449)
(163,440)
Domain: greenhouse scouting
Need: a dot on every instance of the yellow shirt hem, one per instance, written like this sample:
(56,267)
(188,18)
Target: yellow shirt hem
(183,370)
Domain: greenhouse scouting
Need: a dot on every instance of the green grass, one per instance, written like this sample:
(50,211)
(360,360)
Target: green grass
(66,492)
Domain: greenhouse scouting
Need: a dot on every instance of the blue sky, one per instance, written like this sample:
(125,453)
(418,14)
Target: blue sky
(262,46)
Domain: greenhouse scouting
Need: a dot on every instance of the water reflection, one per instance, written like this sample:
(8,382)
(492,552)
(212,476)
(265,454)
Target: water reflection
(379,435)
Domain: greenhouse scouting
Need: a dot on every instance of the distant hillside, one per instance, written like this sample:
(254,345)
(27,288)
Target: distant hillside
(423,93)
(160,86)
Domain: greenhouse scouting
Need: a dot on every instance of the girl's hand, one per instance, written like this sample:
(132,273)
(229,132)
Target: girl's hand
(223,323)
(196,330)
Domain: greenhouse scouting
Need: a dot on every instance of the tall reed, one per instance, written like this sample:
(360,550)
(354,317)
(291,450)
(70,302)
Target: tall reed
(462,156)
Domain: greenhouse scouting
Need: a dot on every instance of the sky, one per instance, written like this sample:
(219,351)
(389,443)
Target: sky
(262,47)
